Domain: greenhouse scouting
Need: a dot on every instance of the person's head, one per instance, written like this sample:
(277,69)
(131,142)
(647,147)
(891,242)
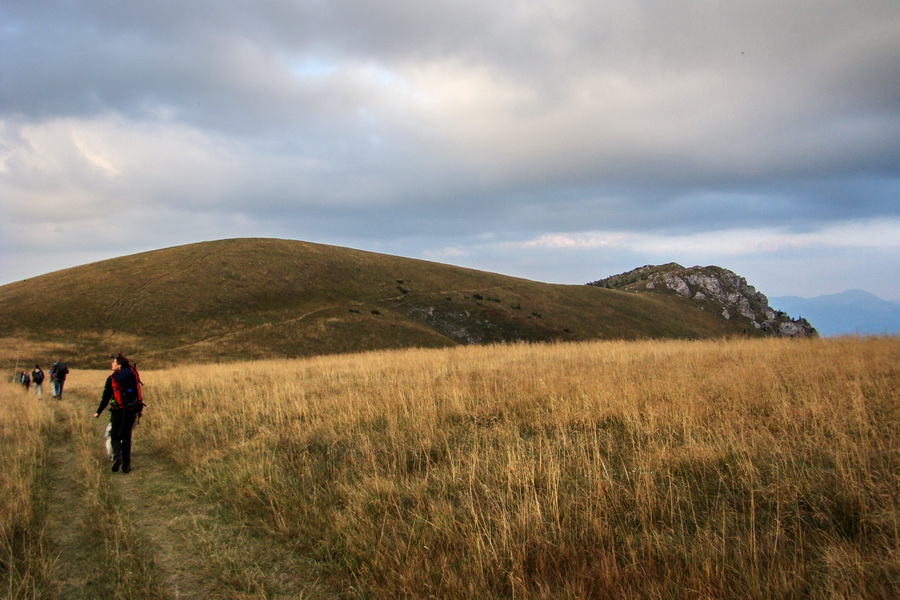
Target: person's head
(118,362)
(37,366)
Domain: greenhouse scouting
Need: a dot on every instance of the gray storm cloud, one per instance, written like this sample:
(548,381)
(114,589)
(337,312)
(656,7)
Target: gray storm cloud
(364,120)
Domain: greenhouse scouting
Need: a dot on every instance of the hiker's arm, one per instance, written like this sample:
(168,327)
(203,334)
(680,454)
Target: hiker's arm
(107,394)
(100,408)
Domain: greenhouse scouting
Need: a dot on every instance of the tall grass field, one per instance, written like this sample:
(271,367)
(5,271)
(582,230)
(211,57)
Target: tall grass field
(669,469)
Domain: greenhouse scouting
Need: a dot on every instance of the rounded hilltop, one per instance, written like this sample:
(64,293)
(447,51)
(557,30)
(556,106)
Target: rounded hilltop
(261,298)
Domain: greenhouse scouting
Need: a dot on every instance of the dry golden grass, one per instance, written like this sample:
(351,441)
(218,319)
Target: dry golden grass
(23,451)
(62,534)
(709,469)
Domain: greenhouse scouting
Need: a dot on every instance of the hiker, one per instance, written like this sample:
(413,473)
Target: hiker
(37,378)
(122,393)
(58,372)
(25,380)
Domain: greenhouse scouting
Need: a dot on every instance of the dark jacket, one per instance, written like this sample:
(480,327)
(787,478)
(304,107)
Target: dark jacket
(128,383)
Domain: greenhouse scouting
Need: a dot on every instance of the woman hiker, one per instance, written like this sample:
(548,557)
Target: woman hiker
(122,393)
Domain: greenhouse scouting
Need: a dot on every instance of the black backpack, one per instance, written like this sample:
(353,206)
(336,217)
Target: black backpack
(59,370)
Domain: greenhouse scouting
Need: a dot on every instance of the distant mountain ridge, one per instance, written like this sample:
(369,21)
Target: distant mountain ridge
(714,289)
(267,298)
(852,312)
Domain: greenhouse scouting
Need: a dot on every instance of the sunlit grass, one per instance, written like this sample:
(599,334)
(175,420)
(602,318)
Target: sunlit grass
(764,468)
(24,424)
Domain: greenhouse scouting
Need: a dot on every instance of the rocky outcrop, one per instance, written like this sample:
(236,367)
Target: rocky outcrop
(713,288)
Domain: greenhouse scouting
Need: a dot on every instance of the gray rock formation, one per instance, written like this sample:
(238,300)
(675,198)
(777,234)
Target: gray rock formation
(713,288)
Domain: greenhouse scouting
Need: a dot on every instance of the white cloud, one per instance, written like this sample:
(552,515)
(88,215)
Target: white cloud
(577,240)
(448,253)
(883,234)
(636,129)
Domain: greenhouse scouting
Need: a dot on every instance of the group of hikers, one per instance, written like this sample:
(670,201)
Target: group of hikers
(121,394)
(35,381)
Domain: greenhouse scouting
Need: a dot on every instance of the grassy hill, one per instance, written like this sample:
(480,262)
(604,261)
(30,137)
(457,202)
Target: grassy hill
(261,298)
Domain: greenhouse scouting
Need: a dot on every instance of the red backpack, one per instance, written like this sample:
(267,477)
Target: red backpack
(134,399)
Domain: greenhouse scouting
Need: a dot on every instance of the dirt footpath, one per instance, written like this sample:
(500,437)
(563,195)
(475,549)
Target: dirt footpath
(148,534)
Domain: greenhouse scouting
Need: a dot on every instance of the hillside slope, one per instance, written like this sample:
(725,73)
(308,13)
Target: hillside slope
(256,298)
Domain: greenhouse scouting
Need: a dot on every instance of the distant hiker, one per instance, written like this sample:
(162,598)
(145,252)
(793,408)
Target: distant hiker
(122,393)
(25,380)
(58,372)
(37,378)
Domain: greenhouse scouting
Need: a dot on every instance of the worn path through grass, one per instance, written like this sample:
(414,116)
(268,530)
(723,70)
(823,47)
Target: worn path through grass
(79,558)
(149,533)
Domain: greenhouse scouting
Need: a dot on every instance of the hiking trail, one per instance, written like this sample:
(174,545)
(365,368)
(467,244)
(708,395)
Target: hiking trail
(151,533)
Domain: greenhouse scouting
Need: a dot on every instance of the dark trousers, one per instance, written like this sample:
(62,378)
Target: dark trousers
(122,421)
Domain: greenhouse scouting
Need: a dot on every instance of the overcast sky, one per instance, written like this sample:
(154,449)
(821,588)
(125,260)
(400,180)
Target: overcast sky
(557,140)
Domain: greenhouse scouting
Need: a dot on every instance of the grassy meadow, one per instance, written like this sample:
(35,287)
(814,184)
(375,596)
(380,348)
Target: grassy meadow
(23,452)
(762,468)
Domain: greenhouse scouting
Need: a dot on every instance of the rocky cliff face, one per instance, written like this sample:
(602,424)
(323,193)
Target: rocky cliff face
(712,288)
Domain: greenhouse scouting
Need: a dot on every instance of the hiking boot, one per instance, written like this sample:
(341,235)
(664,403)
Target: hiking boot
(117,462)
(126,470)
